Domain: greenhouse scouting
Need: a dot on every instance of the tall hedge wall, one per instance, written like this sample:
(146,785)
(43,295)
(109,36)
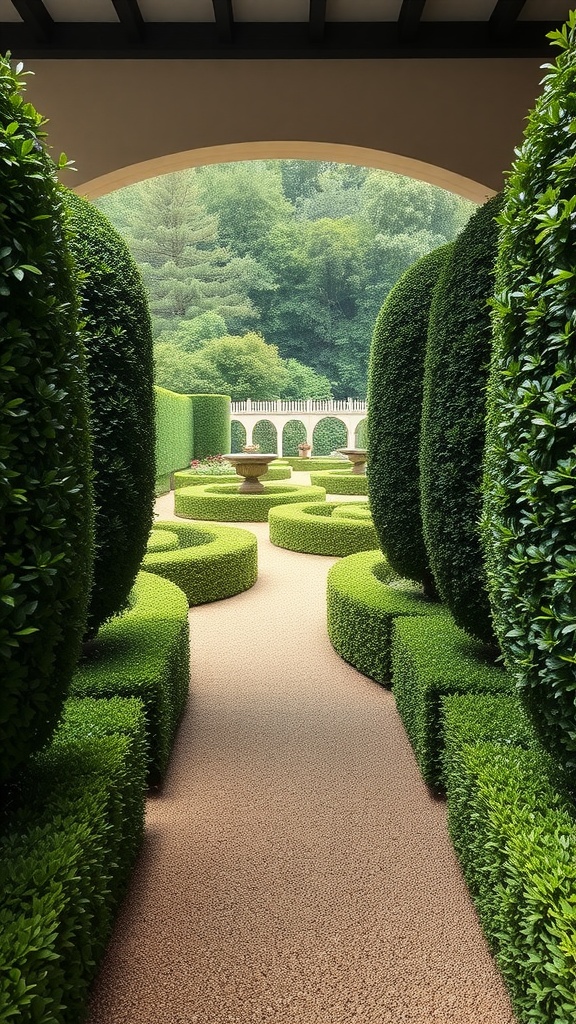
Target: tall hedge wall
(453,422)
(174,431)
(118,340)
(529,515)
(45,499)
(211,425)
(394,409)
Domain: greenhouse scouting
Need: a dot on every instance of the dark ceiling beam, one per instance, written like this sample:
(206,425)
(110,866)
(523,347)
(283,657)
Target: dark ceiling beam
(224,17)
(317,20)
(264,41)
(504,17)
(409,19)
(130,17)
(35,17)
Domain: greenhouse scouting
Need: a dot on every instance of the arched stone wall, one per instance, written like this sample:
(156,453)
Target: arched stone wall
(452,122)
(238,431)
(302,435)
(260,429)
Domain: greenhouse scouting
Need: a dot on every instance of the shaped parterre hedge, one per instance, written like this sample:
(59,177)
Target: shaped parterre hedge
(515,836)
(223,503)
(363,599)
(342,481)
(45,492)
(395,392)
(322,529)
(211,414)
(187,479)
(144,653)
(453,422)
(315,463)
(65,856)
(208,564)
(162,540)
(530,503)
(118,338)
(430,659)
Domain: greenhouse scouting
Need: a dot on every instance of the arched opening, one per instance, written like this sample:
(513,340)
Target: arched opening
(361,434)
(238,436)
(335,152)
(329,433)
(266,436)
(293,434)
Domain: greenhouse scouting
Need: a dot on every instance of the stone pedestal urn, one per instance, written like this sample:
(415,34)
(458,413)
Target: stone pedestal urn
(250,465)
(357,457)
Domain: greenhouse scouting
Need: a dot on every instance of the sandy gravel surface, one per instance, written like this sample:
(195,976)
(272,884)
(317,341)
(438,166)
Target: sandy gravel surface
(295,868)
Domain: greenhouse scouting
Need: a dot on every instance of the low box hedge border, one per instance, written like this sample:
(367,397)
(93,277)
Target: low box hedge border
(315,462)
(209,564)
(145,653)
(364,597)
(342,481)
(322,529)
(432,658)
(67,848)
(514,832)
(223,503)
(480,718)
(185,478)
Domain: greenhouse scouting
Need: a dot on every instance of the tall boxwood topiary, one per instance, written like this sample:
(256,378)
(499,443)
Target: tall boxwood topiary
(211,425)
(394,410)
(45,499)
(453,422)
(530,505)
(118,343)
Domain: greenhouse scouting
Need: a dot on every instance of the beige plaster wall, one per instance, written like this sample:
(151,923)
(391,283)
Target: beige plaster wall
(453,122)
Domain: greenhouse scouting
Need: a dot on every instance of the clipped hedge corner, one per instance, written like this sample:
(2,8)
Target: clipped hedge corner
(342,481)
(364,597)
(430,659)
(144,653)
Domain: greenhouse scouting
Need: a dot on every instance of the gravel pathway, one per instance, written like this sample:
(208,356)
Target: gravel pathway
(295,868)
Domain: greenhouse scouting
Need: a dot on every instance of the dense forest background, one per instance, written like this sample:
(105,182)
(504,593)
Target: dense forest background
(265,277)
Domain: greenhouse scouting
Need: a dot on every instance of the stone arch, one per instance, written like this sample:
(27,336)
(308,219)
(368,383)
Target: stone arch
(263,433)
(329,432)
(362,156)
(238,434)
(291,436)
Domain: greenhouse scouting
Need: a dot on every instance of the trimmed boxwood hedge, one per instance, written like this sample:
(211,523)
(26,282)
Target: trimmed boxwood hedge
(300,465)
(144,653)
(223,503)
(162,540)
(515,836)
(481,718)
(430,659)
(211,415)
(364,597)
(530,507)
(187,479)
(325,529)
(118,339)
(453,422)
(45,494)
(209,564)
(342,481)
(174,435)
(66,852)
(395,389)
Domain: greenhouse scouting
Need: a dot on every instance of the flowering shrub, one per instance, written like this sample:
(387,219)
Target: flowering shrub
(212,465)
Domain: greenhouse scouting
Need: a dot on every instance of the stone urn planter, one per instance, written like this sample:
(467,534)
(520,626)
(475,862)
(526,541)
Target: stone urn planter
(358,458)
(304,450)
(250,465)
